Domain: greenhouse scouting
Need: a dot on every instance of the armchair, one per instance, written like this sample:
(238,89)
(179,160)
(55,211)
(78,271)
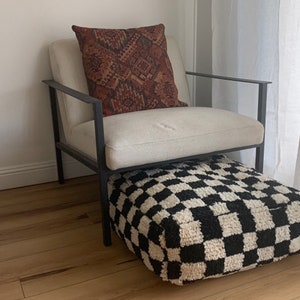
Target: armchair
(144,138)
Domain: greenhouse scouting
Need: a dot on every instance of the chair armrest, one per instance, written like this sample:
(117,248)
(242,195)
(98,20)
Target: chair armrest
(71,92)
(227,78)
(262,91)
(261,107)
(98,119)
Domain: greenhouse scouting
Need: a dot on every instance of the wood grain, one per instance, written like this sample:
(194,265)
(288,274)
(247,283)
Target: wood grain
(50,248)
(11,290)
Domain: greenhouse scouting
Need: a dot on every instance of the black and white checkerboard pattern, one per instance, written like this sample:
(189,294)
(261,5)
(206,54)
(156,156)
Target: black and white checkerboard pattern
(197,220)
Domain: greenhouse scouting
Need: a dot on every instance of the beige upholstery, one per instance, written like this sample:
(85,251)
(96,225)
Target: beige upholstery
(147,136)
(161,134)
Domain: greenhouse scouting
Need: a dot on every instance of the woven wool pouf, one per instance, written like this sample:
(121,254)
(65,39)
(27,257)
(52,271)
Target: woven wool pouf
(204,219)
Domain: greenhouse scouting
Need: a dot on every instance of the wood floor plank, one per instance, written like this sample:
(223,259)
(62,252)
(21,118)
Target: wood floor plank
(44,201)
(11,290)
(24,195)
(57,259)
(106,287)
(46,205)
(34,218)
(112,263)
(283,285)
(49,242)
(20,232)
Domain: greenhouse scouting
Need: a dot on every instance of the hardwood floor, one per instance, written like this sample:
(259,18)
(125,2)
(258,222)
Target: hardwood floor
(50,248)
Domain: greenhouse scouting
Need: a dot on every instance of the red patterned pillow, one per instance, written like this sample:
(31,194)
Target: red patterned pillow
(128,69)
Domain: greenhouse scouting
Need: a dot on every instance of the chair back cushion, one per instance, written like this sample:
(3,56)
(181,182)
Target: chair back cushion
(67,68)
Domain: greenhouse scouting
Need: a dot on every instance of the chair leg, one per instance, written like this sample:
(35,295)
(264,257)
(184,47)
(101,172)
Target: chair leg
(102,172)
(106,230)
(56,133)
(259,161)
(59,165)
(261,117)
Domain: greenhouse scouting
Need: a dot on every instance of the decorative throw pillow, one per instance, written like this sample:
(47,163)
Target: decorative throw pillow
(128,69)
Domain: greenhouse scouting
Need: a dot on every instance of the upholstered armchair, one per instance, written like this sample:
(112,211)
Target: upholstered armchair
(110,143)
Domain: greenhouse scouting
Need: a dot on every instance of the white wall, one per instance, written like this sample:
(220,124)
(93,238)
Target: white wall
(27,28)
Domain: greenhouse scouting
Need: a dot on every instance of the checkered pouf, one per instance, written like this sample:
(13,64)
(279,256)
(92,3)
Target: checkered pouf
(196,220)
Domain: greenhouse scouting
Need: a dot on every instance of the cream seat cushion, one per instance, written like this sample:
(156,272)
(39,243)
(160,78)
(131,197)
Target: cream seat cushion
(161,134)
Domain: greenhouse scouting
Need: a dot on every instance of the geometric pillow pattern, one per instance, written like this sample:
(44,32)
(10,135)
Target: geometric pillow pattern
(128,69)
(204,219)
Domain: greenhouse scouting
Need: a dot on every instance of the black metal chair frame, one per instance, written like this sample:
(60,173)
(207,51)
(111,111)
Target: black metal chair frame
(99,165)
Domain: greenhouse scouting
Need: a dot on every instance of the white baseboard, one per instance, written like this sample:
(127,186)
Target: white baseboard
(41,172)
